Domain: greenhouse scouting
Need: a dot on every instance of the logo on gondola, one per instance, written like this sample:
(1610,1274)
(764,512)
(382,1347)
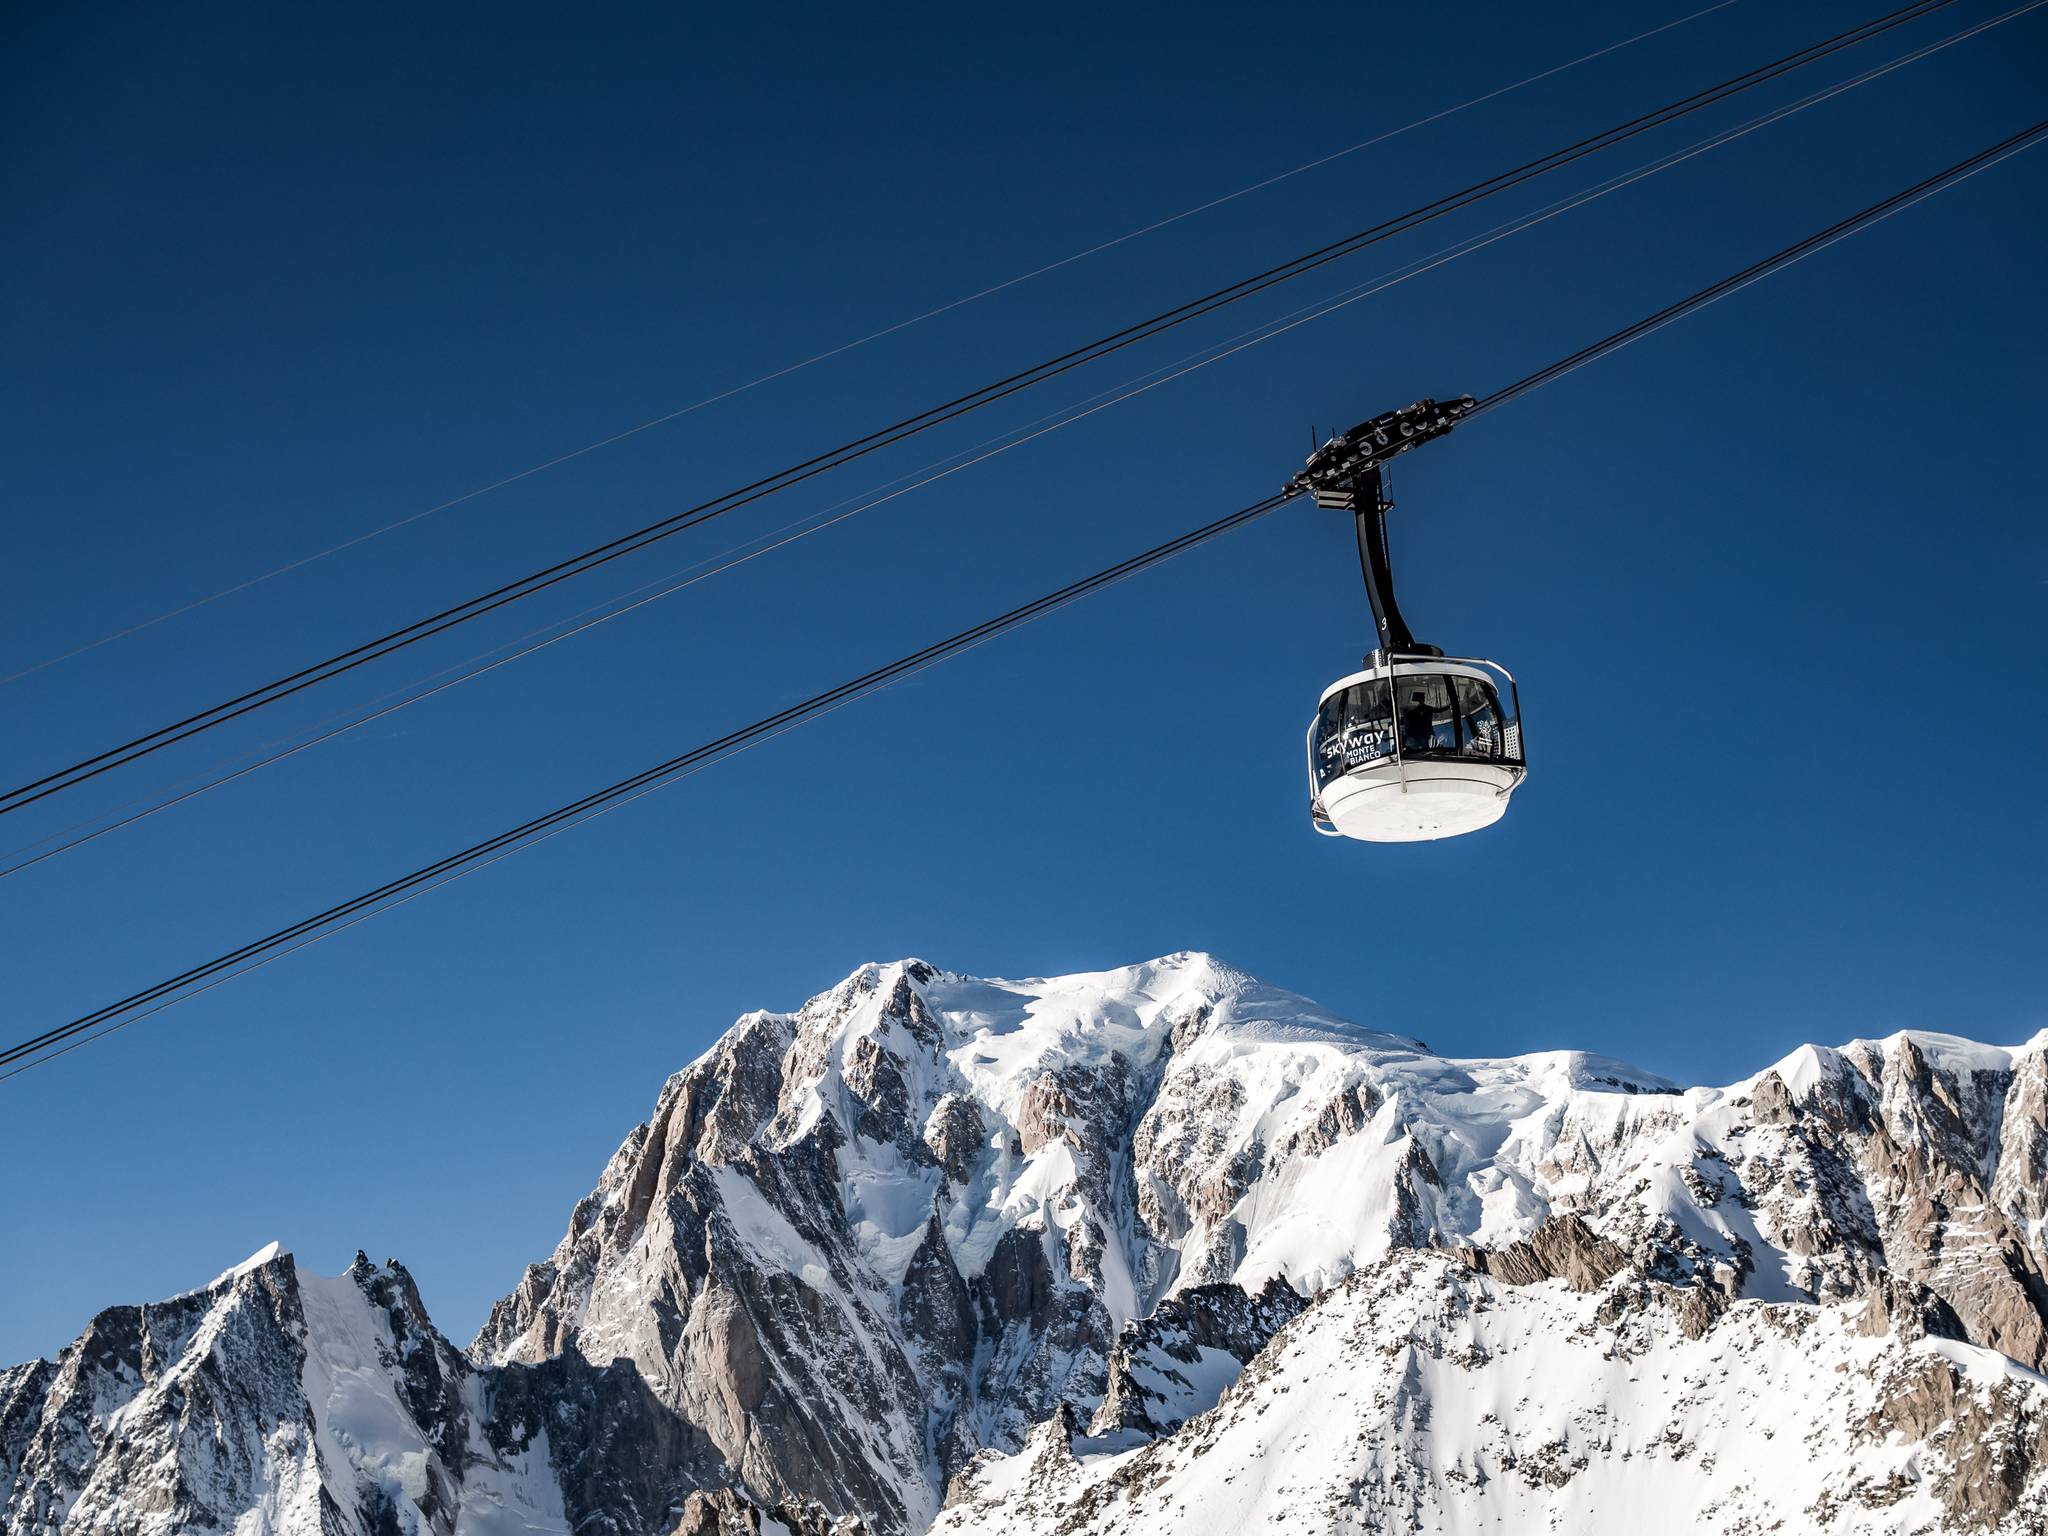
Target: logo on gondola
(1366,744)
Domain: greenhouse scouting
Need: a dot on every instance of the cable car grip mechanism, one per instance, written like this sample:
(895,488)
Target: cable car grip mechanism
(1346,475)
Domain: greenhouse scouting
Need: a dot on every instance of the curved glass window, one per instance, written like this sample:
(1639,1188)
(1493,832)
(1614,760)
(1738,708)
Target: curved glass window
(1430,715)
(1427,715)
(1353,730)
(1481,731)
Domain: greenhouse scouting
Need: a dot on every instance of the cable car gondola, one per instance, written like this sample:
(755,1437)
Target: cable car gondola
(1416,745)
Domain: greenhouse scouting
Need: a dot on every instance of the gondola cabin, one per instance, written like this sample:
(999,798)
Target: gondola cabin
(1414,748)
(1417,745)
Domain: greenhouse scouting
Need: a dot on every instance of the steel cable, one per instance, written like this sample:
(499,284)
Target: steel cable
(888,330)
(539,640)
(487,602)
(41,1047)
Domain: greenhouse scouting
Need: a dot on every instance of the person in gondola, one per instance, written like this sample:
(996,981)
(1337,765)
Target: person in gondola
(1418,722)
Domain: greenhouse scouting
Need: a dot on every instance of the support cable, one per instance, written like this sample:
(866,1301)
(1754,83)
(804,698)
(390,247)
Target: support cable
(639,597)
(422,629)
(36,1049)
(785,371)
(1854,224)
(662,772)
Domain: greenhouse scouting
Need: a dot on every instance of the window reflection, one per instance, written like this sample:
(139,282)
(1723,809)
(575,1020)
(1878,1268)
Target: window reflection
(1431,715)
(1479,715)
(1353,730)
(1429,723)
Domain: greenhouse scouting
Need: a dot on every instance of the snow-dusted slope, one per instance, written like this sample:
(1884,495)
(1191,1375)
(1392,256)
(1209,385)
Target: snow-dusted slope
(859,1244)
(278,1402)
(1420,1396)
(272,1401)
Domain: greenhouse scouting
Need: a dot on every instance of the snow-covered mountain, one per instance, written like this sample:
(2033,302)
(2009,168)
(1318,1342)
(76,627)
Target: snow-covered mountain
(1420,1395)
(1029,1241)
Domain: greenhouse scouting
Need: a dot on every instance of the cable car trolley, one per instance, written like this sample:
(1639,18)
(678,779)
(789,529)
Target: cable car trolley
(1416,745)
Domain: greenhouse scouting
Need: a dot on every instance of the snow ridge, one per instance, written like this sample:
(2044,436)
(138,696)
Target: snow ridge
(1066,1250)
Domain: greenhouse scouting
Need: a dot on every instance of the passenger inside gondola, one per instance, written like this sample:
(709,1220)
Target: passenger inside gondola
(1418,723)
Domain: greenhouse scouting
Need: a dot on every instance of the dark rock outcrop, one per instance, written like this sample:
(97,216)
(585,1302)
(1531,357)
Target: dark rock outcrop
(1561,1248)
(1166,1368)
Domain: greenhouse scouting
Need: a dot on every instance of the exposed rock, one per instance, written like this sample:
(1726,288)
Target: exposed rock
(1991,1443)
(1347,1112)
(726,1512)
(277,1402)
(1177,1362)
(923,1226)
(1562,1248)
(1909,1310)
(955,1134)
(1423,1395)
(215,1416)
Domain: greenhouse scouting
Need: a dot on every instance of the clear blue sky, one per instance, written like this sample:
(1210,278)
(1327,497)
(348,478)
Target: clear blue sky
(1774,580)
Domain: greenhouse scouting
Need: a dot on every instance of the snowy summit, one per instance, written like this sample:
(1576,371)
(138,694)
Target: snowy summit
(1155,1249)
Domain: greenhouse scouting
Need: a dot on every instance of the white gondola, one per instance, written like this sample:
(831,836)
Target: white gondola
(1413,748)
(1417,745)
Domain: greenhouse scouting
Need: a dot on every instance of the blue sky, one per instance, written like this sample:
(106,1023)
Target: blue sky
(1773,580)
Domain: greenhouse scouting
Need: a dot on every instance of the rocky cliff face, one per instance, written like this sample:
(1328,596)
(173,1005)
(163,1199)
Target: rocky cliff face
(279,1401)
(933,1231)
(859,1243)
(1422,1395)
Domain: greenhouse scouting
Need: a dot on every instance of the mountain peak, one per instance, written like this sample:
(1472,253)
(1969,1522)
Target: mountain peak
(262,1256)
(927,1219)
